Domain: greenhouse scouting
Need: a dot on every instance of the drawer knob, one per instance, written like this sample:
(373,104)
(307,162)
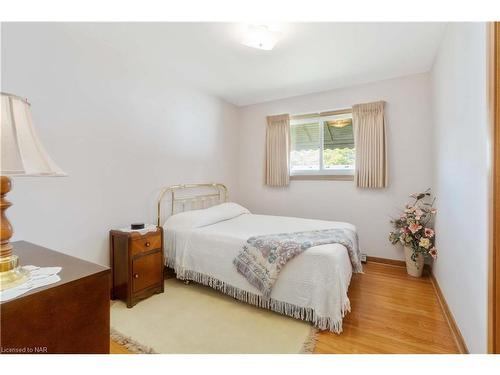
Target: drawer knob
(147,244)
(136,275)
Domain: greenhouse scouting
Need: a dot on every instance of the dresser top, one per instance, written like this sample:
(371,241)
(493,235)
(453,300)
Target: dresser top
(73,269)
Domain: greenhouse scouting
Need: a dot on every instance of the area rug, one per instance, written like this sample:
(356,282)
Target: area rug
(196,319)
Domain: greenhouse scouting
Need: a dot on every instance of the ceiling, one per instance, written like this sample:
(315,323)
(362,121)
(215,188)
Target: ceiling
(310,57)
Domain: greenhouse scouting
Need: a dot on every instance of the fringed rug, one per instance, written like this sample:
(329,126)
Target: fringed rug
(197,319)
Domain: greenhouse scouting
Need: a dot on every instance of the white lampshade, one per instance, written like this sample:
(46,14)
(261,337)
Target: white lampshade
(22,153)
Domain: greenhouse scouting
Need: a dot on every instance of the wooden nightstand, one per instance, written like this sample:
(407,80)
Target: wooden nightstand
(136,265)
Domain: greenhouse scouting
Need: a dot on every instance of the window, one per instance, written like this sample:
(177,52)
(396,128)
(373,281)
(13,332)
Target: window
(322,145)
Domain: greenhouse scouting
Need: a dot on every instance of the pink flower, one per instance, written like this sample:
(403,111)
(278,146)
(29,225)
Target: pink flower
(414,227)
(429,232)
(433,252)
(433,211)
(419,212)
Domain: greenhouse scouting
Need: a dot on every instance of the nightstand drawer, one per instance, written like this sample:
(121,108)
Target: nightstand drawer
(147,271)
(146,243)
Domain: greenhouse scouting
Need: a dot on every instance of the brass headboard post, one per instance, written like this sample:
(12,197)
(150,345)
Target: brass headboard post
(221,194)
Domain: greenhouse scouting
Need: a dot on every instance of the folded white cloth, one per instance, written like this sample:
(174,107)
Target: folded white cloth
(147,228)
(39,276)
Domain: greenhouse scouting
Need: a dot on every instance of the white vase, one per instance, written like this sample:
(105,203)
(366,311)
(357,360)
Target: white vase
(414,268)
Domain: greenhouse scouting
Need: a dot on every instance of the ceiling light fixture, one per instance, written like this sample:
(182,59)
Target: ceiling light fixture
(260,36)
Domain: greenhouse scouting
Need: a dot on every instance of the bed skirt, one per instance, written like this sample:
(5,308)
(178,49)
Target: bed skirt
(298,312)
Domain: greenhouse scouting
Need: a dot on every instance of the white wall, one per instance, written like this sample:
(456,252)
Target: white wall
(461,177)
(409,136)
(116,130)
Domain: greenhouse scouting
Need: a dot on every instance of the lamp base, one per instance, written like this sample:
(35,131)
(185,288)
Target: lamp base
(11,274)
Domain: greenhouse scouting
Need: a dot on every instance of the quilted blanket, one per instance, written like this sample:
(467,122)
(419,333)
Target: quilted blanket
(262,257)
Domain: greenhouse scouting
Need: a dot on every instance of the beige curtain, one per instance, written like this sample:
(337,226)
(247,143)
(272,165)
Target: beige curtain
(278,150)
(371,145)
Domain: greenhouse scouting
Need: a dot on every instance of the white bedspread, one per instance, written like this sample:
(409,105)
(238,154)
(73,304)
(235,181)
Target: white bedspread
(317,279)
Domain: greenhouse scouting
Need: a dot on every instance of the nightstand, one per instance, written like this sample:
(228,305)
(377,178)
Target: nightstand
(136,264)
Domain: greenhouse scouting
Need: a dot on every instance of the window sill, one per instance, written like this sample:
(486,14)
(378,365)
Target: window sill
(332,177)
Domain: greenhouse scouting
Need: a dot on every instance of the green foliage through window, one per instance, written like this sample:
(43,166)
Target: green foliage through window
(338,157)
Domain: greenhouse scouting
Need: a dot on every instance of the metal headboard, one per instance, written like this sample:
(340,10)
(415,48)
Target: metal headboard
(220,195)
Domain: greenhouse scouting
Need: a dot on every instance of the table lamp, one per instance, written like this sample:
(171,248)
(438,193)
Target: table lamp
(22,154)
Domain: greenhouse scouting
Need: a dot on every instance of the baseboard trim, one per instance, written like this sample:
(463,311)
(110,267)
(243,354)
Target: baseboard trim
(396,263)
(457,335)
(392,262)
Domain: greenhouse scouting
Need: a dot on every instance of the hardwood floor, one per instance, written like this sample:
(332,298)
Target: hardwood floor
(391,313)
(115,348)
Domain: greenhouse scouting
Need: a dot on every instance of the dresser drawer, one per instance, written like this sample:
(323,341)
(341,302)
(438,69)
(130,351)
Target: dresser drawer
(146,243)
(147,271)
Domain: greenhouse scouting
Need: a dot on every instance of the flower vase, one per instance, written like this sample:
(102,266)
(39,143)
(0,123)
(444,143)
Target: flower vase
(414,268)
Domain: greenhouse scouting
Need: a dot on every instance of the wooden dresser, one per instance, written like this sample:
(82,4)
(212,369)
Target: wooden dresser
(137,265)
(70,316)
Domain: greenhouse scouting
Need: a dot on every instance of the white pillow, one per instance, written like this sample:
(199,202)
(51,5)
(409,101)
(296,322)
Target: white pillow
(207,216)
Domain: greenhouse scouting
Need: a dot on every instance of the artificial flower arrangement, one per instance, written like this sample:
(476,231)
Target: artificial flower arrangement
(414,228)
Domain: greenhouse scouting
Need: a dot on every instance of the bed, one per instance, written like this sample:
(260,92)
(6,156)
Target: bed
(203,234)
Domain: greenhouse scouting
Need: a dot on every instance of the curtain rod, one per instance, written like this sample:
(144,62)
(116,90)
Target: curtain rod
(321,114)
